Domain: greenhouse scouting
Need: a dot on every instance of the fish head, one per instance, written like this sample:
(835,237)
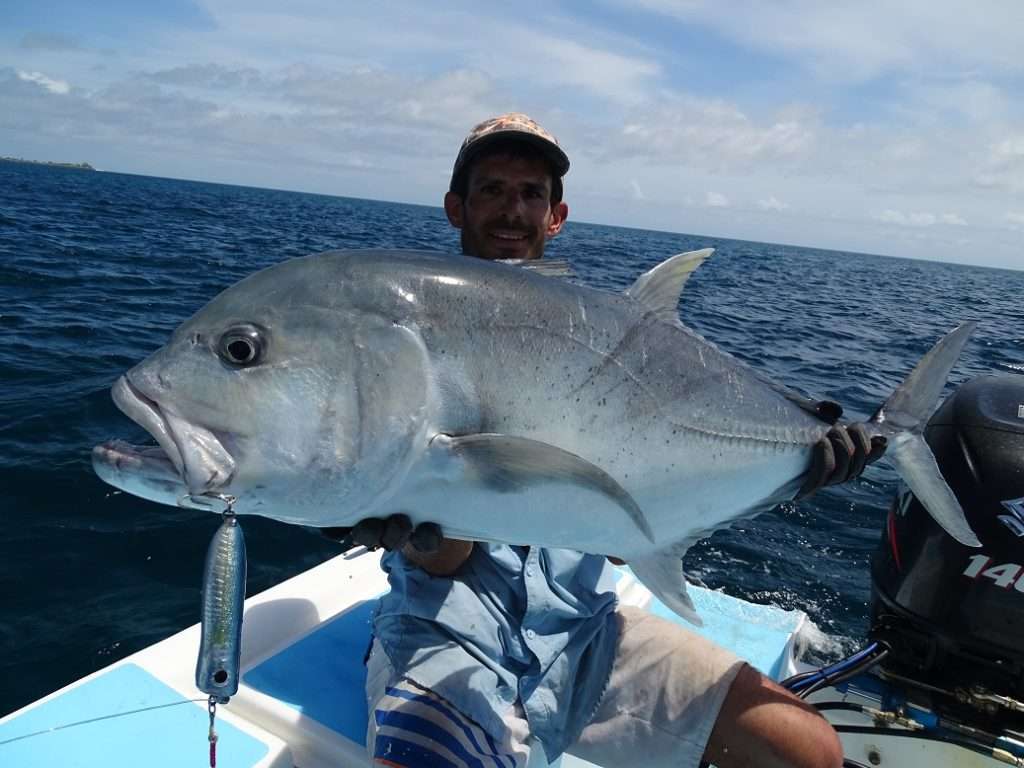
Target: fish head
(284,392)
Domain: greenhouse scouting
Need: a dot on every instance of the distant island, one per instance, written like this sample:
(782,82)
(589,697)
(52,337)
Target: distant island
(79,166)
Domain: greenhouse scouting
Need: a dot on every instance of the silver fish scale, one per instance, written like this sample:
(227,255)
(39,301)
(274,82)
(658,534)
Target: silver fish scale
(606,353)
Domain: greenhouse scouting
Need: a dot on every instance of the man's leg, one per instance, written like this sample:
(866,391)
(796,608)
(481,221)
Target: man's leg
(411,727)
(675,698)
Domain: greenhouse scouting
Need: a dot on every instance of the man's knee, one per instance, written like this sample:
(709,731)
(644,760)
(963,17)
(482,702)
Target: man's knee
(762,724)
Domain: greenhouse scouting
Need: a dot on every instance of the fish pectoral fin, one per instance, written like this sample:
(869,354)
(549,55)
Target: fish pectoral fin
(662,573)
(659,288)
(508,464)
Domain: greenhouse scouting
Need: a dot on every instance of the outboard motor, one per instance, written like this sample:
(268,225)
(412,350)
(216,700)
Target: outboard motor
(953,616)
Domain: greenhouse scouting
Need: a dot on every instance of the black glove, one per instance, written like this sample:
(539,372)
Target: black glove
(390,533)
(841,455)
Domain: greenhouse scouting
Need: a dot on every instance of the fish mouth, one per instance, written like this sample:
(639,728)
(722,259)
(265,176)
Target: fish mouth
(143,470)
(186,453)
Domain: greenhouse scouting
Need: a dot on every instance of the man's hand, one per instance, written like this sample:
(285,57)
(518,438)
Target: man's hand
(423,545)
(841,455)
(389,533)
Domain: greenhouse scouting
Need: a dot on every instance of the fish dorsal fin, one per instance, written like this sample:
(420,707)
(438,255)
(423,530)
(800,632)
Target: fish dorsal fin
(659,289)
(546,267)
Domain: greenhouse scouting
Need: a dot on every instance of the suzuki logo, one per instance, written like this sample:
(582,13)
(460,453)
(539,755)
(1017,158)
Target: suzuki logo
(1015,520)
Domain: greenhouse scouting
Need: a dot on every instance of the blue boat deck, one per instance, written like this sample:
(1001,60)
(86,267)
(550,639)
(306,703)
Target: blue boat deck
(119,717)
(304,701)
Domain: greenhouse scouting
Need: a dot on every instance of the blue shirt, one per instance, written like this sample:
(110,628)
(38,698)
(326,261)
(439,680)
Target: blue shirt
(522,623)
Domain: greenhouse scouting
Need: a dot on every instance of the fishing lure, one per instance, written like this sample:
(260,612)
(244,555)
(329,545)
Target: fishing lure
(220,646)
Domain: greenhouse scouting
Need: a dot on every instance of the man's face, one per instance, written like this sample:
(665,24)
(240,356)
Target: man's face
(507,213)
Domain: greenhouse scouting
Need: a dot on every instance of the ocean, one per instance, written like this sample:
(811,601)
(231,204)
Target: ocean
(97,269)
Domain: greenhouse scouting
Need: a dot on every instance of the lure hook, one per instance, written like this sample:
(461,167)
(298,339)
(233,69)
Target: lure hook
(205,502)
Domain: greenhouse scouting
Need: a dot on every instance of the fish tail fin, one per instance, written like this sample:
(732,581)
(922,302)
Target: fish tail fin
(901,420)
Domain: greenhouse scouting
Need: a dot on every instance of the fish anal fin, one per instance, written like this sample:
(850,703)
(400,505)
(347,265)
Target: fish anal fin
(662,573)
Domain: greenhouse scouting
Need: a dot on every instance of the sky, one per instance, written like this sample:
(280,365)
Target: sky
(894,128)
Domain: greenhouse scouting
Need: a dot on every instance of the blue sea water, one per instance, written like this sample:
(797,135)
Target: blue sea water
(96,270)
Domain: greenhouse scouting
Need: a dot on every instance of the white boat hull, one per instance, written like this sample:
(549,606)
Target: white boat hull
(301,701)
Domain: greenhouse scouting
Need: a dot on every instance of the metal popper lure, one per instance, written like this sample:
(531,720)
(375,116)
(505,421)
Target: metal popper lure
(217,668)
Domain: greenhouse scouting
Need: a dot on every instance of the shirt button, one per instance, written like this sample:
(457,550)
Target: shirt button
(530,634)
(529,570)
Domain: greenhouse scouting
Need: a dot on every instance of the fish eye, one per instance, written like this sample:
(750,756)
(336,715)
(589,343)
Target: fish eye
(241,346)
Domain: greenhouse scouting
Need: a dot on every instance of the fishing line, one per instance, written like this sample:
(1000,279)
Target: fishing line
(98,719)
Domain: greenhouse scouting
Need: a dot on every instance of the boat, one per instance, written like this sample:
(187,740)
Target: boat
(939,681)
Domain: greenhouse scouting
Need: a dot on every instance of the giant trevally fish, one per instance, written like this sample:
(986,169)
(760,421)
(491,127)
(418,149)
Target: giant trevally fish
(502,404)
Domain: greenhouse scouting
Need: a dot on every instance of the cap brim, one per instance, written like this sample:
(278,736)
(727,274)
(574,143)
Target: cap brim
(549,149)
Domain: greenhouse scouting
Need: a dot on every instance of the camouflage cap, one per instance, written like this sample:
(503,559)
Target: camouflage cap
(513,125)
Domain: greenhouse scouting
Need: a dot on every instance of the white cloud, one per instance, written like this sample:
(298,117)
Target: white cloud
(859,41)
(908,219)
(920,219)
(975,100)
(1003,168)
(48,42)
(302,115)
(708,134)
(549,53)
(1009,149)
(602,72)
(53,86)
(772,203)
(367,107)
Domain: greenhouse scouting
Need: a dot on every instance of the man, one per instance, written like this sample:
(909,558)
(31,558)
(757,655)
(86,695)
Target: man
(484,652)
(506,190)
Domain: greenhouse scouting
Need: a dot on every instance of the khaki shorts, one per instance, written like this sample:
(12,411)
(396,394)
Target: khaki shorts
(666,689)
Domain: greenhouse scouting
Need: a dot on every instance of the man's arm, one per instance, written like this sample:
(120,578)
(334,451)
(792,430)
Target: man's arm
(763,725)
